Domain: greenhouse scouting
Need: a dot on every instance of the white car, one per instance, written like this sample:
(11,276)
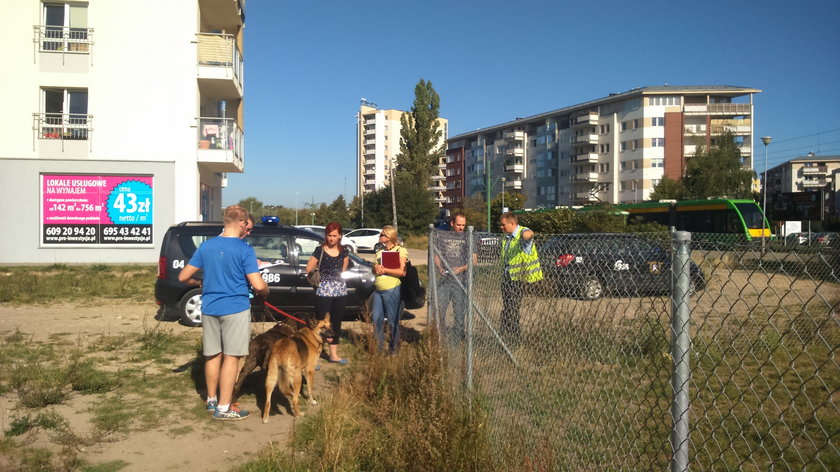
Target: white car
(345,241)
(365,239)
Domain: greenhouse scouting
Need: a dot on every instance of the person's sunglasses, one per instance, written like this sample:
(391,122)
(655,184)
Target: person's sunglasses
(383,234)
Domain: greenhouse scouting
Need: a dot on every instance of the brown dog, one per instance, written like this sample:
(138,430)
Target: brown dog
(259,350)
(291,359)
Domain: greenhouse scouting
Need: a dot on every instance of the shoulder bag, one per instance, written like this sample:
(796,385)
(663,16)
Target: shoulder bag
(314,277)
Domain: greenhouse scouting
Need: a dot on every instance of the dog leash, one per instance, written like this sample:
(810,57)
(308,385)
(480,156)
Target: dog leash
(284,313)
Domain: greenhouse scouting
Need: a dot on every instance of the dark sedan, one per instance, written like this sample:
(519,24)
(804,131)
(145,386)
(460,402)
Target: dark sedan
(590,266)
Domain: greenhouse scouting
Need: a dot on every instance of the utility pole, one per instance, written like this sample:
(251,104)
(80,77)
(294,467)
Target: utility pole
(393,195)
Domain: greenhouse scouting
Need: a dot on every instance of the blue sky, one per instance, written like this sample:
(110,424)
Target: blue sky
(308,63)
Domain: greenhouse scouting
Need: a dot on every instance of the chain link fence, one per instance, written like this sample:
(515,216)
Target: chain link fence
(647,351)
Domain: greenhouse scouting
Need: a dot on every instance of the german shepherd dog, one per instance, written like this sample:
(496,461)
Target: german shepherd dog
(291,359)
(259,350)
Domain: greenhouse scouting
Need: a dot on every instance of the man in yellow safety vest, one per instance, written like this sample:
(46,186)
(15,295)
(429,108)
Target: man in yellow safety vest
(521,267)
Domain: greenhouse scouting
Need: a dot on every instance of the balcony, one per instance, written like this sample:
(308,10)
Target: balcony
(514,184)
(438,188)
(370,162)
(514,135)
(63,39)
(586,120)
(585,158)
(438,178)
(441,166)
(588,138)
(370,151)
(220,65)
(718,109)
(585,196)
(815,170)
(695,130)
(816,183)
(62,126)
(515,168)
(220,144)
(370,131)
(586,177)
(515,152)
(370,181)
(441,200)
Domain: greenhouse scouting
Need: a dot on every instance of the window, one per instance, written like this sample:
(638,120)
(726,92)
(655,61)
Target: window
(664,101)
(622,185)
(657,121)
(65,28)
(635,124)
(623,126)
(624,145)
(657,142)
(624,166)
(64,114)
(657,163)
(604,168)
(655,182)
(605,148)
(635,144)
(605,129)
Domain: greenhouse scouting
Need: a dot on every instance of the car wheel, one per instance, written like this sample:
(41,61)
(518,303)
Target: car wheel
(189,308)
(592,289)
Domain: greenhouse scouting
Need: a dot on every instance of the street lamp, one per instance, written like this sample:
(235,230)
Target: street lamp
(297,194)
(766,140)
(504,179)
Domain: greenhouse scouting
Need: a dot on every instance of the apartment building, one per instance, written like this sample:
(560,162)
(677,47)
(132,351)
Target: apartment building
(805,188)
(378,145)
(614,149)
(121,119)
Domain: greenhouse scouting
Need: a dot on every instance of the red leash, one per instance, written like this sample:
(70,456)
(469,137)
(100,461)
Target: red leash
(284,313)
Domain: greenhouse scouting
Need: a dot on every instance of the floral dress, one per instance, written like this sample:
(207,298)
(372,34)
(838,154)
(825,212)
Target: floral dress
(332,285)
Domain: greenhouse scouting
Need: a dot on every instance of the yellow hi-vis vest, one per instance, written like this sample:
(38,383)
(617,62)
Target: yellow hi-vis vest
(519,264)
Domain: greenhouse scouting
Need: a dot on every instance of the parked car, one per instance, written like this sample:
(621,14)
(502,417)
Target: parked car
(282,251)
(795,239)
(590,266)
(347,243)
(825,239)
(365,239)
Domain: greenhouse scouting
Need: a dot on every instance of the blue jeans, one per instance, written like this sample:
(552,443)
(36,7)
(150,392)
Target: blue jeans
(386,303)
(450,292)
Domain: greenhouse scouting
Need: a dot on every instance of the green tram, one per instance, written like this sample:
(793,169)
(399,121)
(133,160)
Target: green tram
(713,216)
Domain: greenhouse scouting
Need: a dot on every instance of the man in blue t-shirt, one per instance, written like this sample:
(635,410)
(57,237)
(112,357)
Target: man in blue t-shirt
(229,265)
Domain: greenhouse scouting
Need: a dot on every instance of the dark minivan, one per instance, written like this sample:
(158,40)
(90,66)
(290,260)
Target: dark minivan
(282,251)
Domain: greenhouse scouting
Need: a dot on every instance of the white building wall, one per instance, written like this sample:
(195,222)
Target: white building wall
(143,95)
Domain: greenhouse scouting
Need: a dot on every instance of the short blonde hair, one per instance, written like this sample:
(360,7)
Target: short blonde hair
(391,232)
(235,213)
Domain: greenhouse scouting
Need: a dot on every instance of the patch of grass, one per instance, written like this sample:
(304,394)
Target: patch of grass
(113,414)
(38,386)
(47,420)
(87,379)
(181,430)
(44,284)
(112,466)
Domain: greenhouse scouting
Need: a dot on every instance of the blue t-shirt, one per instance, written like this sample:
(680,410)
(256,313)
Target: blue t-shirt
(225,261)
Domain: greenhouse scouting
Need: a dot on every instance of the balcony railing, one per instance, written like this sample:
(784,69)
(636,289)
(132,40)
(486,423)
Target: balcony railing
(586,138)
(814,183)
(222,135)
(588,119)
(519,152)
(515,184)
(515,168)
(514,135)
(586,177)
(718,109)
(220,50)
(62,125)
(585,196)
(50,38)
(587,157)
(815,170)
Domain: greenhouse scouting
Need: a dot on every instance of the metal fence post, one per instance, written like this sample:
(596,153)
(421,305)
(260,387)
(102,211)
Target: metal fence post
(469,314)
(680,345)
(432,309)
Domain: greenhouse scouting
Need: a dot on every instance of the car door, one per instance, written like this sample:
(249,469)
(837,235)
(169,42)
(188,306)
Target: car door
(277,266)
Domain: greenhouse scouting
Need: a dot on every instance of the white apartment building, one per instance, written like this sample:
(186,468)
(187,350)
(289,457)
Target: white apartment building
(805,188)
(614,149)
(377,148)
(121,119)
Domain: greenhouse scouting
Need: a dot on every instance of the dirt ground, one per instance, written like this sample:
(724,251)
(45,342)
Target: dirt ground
(186,443)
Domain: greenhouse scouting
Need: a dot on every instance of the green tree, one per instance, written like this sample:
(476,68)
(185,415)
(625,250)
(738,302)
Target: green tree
(420,137)
(668,189)
(415,211)
(716,172)
(475,209)
(252,205)
(513,200)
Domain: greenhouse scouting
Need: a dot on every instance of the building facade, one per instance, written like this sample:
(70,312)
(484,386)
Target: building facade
(113,133)
(377,148)
(805,188)
(614,149)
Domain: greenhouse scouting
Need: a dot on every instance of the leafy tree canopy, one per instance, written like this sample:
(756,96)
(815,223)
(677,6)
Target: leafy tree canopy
(420,146)
(716,172)
(668,189)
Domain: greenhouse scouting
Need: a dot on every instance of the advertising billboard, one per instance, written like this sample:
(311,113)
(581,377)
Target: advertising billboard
(96,210)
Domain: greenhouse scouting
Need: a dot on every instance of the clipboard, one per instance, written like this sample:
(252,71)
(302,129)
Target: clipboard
(391,259)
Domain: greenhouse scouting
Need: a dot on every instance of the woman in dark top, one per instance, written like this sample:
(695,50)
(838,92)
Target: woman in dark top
(331,294)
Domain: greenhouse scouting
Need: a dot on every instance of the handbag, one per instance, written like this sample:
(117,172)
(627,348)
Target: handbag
(314,277)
